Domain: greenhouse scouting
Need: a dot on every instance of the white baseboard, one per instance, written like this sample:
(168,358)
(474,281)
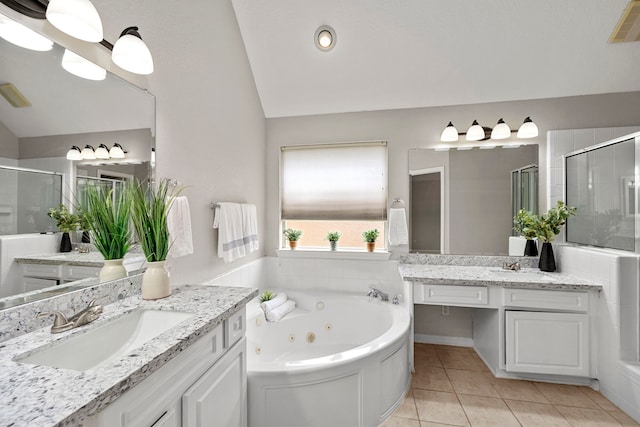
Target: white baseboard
(443,340)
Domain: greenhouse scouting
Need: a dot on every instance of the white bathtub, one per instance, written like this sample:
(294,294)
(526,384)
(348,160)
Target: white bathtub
(337,360)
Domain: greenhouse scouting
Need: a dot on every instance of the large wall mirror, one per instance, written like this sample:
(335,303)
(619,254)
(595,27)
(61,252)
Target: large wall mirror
(462,201)
(65,110)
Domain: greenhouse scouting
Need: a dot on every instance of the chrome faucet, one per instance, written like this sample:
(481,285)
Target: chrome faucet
(377,293)
(511,266)
(62,324)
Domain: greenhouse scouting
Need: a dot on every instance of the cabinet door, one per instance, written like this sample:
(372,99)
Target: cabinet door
(547,343)
(219,397)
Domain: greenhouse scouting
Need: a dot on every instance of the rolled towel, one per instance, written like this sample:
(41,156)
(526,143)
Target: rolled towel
(274,302)
(281,311)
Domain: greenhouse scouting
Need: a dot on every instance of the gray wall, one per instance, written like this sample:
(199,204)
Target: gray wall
(8,143)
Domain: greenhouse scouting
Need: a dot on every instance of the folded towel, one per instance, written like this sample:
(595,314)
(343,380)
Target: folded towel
(179,226)
(250,227)
(281,311)
(274,302)
(398,231)
(228,221)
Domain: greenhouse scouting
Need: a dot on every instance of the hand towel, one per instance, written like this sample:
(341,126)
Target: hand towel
(274,302)
(179,226)
(398,231)
(228,221)
(250,227)
(282,310)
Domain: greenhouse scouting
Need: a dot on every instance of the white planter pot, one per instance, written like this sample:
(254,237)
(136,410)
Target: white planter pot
(112,270)
(156,282)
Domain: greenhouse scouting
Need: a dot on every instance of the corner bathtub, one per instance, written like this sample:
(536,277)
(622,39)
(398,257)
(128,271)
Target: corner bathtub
(337,360)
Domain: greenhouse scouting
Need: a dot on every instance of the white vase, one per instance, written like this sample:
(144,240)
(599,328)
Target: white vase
(156,282)
(112,270)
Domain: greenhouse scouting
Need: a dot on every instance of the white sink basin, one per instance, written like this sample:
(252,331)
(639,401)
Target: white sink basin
(105,343)
(523,275)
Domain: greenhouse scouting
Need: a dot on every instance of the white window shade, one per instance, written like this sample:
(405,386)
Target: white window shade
(334,182)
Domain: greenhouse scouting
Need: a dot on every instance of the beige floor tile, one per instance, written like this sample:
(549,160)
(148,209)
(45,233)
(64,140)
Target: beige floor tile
(583,417)
(602,401)
(431,378)
(407,408)
(531,414)
(516,389)
(454,348)
(394,421)
(566,395)
(483,366)
(424,356)
(487,411)
(439,407)
(429,424)
(457,359)
(468,382)
(623,418)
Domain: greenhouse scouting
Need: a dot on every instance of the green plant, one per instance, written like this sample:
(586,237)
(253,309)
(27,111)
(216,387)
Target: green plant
(65,220)
(292,235)
(108,216)
(525,224)
(370,236)
(548,225)
(149,210)
(333,236)
(266,296)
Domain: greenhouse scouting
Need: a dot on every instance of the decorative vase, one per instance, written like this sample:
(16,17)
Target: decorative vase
(531,248)
(293,244)
(156,282)
(371,246)
(547,260)
(112,270)
(333,244)
(65,242)
(86,237)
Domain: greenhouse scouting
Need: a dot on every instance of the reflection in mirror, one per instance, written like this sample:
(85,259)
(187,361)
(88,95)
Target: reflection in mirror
(477,198)
(64,110)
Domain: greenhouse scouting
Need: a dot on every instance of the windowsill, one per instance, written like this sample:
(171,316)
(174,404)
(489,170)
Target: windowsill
(378,255)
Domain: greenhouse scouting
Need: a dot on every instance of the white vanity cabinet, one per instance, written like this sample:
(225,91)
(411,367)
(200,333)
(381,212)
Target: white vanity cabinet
(204,385)
(39,276)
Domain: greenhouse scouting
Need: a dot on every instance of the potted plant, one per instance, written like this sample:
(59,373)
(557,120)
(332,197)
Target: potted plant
(525,225)
(108,215)
(333,237)
(149,209)
(547,226)
(84,225)
(370,237)
(292,236)
(66,222)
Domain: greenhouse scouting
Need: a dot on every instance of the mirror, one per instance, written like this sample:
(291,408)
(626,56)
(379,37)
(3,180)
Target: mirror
(65,110)
(463,198)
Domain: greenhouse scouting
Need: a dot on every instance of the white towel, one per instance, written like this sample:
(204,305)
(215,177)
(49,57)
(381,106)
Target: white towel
(228,221)
(179,226)
(274,302)
(281,311)
(398,231)
(250,227)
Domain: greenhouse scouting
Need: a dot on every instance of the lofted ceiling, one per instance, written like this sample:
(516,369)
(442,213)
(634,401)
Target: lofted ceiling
(394,54)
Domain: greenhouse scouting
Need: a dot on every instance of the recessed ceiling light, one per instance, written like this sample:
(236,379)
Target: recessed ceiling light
(325,38)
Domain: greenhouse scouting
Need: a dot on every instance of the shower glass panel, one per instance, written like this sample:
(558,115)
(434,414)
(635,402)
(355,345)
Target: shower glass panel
(102,184)
(26,195)
(524,190)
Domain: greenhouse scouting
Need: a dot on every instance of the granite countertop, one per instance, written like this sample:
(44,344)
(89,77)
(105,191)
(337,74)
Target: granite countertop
(45,396)
(466,275)
(89,259)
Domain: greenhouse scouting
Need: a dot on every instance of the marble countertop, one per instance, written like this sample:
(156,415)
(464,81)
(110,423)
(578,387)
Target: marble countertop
(89,259)
(465,275)
(45,396)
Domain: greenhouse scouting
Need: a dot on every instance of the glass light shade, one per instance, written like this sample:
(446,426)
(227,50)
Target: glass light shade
(449,134)
(116,151)
(475,132)
(528,129)
(81,67)
(132,54)
(78,18)
(501,131)
(88,153)
(102,152)
(325,39)
(22,36)
(74,153)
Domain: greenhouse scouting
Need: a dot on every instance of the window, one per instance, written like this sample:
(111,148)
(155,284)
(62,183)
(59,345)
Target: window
(336,187)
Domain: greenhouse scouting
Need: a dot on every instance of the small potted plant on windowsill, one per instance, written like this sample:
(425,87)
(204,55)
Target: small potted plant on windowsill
(292,236)
(525,224)
(333,237)
(370,237)
(66,222)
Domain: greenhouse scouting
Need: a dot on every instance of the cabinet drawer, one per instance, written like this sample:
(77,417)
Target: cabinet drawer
(77,272)
(234,328)
(546,300)
(46,271)
(450,295)
(34,284)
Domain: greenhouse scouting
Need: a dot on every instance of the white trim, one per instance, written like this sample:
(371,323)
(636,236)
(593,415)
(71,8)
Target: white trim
(339,254)
(443,340)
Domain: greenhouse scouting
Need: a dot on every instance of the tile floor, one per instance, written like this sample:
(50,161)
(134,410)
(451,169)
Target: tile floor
(453,387)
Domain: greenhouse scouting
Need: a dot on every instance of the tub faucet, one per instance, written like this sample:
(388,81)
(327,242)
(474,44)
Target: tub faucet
(375,293)
(511,266)
(61,323)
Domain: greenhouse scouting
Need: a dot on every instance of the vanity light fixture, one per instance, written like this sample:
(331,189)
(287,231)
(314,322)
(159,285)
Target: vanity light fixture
(325,38)
(131,53)
(21,36)
(501,131)
(528,129)
(88,153)
(74,153)
(449,134)
(476,132)
(116,151)
(77,18)
(102,152)
(81,67)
